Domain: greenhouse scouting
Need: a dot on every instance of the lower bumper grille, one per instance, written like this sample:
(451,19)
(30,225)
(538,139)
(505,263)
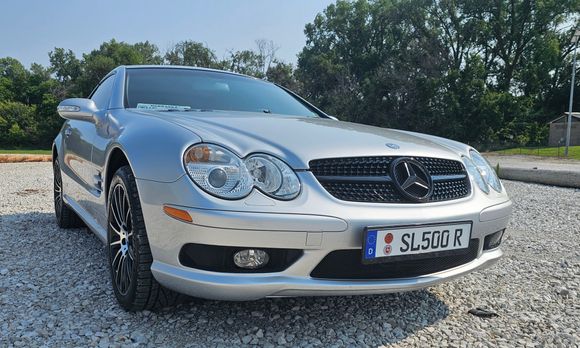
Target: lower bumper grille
(346,264)
(217,258)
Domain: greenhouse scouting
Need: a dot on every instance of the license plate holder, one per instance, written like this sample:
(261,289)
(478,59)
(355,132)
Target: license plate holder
(379,255)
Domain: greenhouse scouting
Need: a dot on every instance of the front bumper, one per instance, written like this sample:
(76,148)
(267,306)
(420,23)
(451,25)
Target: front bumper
(241,287)
(329,225)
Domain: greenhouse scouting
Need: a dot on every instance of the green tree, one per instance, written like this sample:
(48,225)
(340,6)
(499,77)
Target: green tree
(149,53)
(40,82)
(48,120)
(96,64)
(471,70)
(18,125)
(13,80)
(65,65)
(15,135)
(245,62)
(282,74)
(191,53)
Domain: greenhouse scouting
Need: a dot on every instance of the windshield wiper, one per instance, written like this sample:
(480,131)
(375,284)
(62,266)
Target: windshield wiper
(188,110)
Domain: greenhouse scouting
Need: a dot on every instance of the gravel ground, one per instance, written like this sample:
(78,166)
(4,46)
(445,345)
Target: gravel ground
(55,291)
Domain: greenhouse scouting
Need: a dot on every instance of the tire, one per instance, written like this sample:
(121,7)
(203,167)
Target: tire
(128,250)
(65,216)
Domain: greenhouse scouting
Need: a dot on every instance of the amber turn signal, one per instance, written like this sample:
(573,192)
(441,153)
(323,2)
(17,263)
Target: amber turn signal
(177,213)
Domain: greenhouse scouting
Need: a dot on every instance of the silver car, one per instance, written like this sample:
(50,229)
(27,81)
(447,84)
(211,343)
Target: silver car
(223,186)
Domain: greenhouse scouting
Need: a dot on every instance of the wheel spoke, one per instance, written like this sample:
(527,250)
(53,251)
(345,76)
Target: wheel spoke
(115,209)
(117,221)
(117,271)
(115,258)
(115,230)
(131,253)
(127,273)
(122,205)
(127,218)
(120,264)
(118,205)
(124,209)
(114,206)
(122,274)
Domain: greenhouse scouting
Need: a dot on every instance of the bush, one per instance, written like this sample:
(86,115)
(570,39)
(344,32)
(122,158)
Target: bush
(18,125)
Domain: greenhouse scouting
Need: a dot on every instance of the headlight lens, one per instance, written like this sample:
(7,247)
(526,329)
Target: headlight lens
(220,172)
(475,174)
(487,172)
(481,172)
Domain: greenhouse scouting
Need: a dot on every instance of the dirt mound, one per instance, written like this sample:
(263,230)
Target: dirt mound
(15,158)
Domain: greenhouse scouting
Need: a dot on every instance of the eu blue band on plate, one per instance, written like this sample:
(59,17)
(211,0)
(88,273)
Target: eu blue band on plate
(371,244)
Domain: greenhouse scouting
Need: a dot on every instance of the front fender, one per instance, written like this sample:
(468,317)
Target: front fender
(57,147)
(153,147)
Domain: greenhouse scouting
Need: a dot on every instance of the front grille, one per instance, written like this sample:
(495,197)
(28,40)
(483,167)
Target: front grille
(346,264)
(367,179)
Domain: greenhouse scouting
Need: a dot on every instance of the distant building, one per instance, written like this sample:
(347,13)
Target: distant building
(558,130)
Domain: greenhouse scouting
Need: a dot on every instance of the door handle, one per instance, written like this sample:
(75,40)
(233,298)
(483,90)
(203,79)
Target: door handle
(68,132)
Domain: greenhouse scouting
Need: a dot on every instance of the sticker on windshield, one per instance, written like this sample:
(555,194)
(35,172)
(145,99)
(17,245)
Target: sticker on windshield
(146,106)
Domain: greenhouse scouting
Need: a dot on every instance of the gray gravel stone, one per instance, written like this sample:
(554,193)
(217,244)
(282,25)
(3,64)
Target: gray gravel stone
(55,289)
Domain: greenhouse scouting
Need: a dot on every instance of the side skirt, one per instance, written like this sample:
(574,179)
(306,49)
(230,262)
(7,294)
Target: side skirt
(87,218)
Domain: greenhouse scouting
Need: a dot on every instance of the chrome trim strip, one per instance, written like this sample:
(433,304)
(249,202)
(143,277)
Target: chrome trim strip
(381,179)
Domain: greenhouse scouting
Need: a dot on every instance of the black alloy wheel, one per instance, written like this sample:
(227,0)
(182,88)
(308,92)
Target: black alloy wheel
(129,253)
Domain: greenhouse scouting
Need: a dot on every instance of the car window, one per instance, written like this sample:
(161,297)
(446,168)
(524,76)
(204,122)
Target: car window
(102,94)
(188,89)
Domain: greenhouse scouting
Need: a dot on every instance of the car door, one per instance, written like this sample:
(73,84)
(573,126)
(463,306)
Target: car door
(84,182)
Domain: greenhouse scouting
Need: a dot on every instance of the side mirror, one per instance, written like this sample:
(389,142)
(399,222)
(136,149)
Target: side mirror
(333,117)
(77,109)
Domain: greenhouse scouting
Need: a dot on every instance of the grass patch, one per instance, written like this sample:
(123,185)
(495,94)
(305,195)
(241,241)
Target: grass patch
(25,152)
(574,151)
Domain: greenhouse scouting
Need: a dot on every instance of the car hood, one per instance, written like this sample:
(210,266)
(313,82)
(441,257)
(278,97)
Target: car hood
(298,140)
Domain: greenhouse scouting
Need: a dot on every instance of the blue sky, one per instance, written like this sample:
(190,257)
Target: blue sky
(30,29)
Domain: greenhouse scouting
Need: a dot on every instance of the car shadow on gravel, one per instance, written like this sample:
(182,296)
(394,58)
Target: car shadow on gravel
(73,262)
(360,320)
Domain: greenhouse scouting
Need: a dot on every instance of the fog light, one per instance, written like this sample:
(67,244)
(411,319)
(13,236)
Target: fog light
(251,258)
(493,240)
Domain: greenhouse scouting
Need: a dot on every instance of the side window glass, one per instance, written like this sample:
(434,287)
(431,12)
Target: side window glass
(102,95)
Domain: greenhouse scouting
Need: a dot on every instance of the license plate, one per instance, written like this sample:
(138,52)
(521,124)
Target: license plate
(393,243)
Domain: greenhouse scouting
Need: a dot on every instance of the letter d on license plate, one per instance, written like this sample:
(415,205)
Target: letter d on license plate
(382,244)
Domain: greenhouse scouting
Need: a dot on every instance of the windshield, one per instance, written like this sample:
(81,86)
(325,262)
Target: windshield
(199,90)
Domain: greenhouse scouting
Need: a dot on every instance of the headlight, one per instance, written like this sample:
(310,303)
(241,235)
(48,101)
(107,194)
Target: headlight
(487,172)
(481,172)
(220,172)
(475,174)
(273,177)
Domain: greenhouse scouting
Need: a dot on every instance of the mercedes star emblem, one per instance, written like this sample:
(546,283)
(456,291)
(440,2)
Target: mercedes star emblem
(412,179)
